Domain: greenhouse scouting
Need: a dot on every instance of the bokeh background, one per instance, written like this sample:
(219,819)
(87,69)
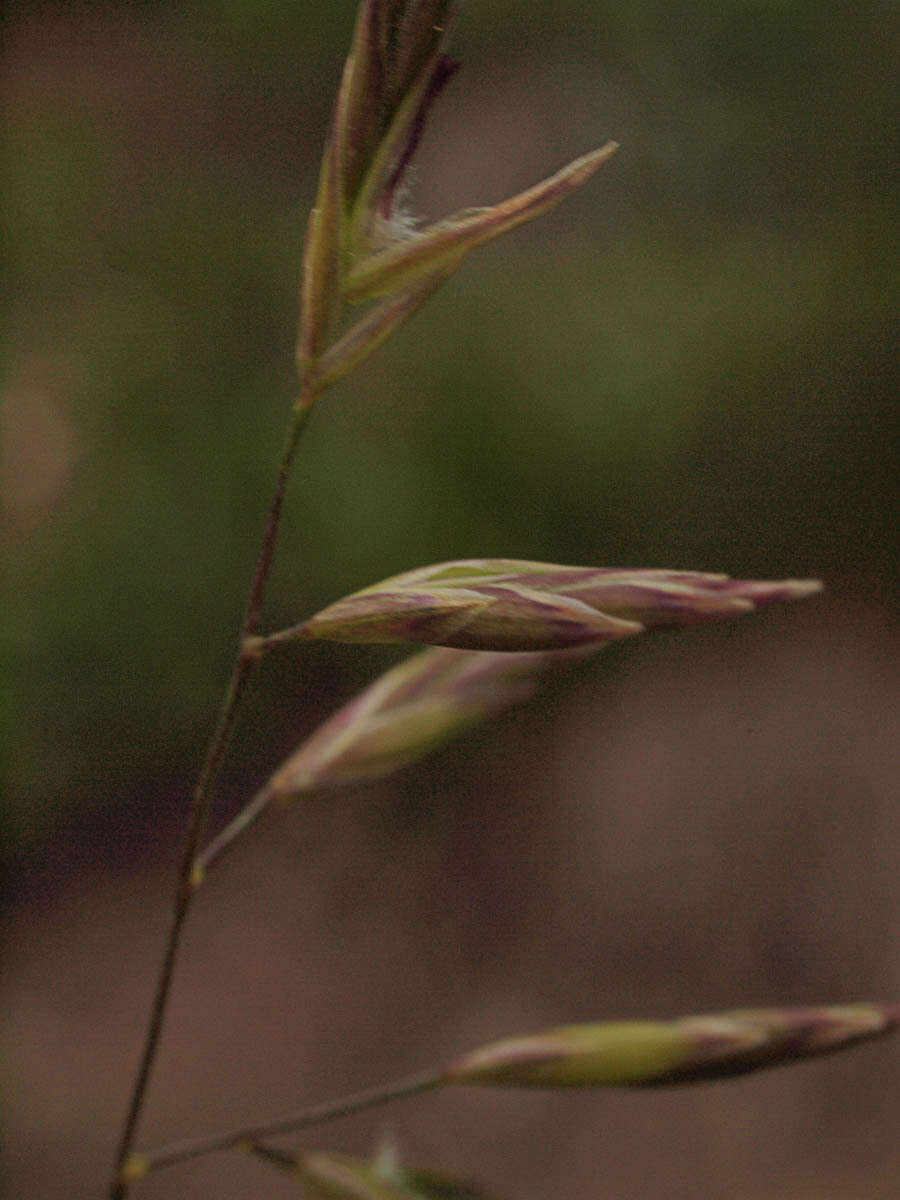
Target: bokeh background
(687,365)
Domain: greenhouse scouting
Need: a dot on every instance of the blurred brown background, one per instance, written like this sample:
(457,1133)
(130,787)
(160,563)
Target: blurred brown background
(687,365)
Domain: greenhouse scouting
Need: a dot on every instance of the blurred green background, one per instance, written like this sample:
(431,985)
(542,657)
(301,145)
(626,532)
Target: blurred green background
(689,364)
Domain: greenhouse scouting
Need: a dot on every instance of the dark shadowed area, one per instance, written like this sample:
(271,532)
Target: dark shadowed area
(687,365)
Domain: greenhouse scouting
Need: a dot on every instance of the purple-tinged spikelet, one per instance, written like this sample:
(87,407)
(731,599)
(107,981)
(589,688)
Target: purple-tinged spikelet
(663,1053)
(510,605)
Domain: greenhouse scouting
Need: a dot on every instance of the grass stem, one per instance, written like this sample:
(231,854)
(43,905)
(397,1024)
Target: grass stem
(249,1135)
(187,879)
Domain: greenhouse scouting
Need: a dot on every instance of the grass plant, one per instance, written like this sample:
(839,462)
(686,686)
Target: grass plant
(492,629)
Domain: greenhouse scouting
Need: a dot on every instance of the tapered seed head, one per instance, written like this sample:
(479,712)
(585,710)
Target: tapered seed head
(659,1053)
(623,1053)
(360,243)
(413,708)
(484,618)
(395,68)
(512,605)
(443,246)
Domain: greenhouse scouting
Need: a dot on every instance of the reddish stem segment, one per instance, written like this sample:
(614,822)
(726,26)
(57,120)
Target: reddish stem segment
(245,661)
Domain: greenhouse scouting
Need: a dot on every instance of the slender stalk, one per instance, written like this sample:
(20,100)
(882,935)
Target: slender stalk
(248,815)
(272,1154)
(187,882)
(248,1135)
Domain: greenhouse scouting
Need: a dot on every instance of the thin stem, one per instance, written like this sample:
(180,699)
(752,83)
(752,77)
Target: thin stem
(287,1162)
(300,412)
(304,1118)
(248,815)
(245,661)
